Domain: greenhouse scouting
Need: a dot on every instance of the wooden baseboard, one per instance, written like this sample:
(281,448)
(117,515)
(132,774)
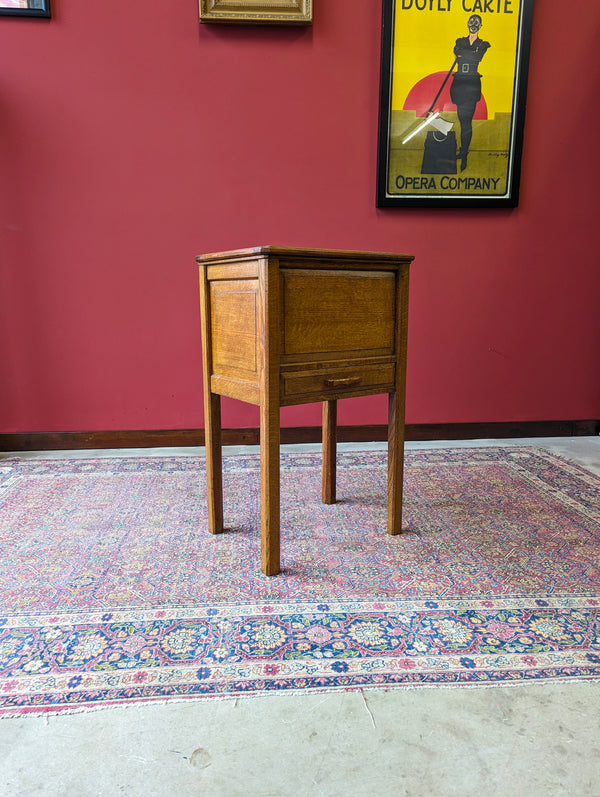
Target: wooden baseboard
(163,438)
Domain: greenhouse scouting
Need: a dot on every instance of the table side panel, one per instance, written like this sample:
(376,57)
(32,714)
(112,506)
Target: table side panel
(235,389)
(234,329)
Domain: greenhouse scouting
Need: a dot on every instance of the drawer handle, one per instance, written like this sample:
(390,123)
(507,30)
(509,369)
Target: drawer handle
(346,382)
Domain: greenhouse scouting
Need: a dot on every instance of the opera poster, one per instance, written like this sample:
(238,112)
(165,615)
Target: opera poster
(452,105)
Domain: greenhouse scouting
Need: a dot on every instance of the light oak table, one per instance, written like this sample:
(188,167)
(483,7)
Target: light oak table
(283,326)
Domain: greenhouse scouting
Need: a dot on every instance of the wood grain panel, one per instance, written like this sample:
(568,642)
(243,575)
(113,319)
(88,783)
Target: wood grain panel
(338,311)
(239,389)
(233,271)
(234,315)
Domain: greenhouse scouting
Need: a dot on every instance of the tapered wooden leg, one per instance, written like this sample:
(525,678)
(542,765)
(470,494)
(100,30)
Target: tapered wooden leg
(329,450)
(269,488)
(214,463)
(395,464)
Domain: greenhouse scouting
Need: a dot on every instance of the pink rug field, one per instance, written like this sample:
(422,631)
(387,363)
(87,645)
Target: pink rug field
(112,591)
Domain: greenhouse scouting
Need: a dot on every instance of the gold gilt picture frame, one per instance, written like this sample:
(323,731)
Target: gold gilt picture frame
(275,12)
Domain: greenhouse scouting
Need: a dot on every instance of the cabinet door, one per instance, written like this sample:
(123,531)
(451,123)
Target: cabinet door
(337,314)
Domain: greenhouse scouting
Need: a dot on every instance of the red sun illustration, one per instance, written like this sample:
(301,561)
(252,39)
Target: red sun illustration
(423,93)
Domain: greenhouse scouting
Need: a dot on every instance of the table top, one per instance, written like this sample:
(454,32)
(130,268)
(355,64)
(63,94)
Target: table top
(304,253)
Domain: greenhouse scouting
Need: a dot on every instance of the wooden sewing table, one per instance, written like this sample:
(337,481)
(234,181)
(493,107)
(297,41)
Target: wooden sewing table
(283,326)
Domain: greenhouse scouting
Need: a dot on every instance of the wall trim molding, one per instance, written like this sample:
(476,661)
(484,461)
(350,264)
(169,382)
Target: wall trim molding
(163,438)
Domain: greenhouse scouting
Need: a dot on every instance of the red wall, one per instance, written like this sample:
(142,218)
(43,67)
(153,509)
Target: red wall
(133,139)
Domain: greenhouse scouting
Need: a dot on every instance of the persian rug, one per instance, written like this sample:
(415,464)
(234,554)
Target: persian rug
(112,591)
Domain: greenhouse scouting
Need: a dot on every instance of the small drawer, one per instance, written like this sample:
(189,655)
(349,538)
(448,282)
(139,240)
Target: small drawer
(337,382)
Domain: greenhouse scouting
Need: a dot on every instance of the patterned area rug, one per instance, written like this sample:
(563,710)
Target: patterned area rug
(113,592)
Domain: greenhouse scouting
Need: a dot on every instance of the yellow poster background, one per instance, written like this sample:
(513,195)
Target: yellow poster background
(424,43)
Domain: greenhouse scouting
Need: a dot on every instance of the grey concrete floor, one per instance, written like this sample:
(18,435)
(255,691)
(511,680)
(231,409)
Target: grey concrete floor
(521,741)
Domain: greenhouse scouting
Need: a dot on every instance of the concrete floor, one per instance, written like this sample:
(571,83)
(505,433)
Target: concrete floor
(522,741)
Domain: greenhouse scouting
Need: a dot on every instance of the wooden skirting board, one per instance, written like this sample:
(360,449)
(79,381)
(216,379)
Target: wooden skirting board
(163,438)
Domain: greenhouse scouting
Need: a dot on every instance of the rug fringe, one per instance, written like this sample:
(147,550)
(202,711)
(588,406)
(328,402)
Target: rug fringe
(55,713)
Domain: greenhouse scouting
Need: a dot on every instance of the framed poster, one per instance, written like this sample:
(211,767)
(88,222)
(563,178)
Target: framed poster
(452,107)
(25,8)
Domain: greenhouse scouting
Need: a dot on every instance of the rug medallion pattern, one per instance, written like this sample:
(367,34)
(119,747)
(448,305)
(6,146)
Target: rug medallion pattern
(113,592)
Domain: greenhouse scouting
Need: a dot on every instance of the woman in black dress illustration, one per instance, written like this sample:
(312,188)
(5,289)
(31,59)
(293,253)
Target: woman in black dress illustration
(465,90)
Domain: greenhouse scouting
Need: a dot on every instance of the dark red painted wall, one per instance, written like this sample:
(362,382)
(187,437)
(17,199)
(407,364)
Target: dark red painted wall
(133,139)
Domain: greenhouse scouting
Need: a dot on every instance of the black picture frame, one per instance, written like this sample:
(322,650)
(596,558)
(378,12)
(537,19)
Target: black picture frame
(425,156)
(34,8)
